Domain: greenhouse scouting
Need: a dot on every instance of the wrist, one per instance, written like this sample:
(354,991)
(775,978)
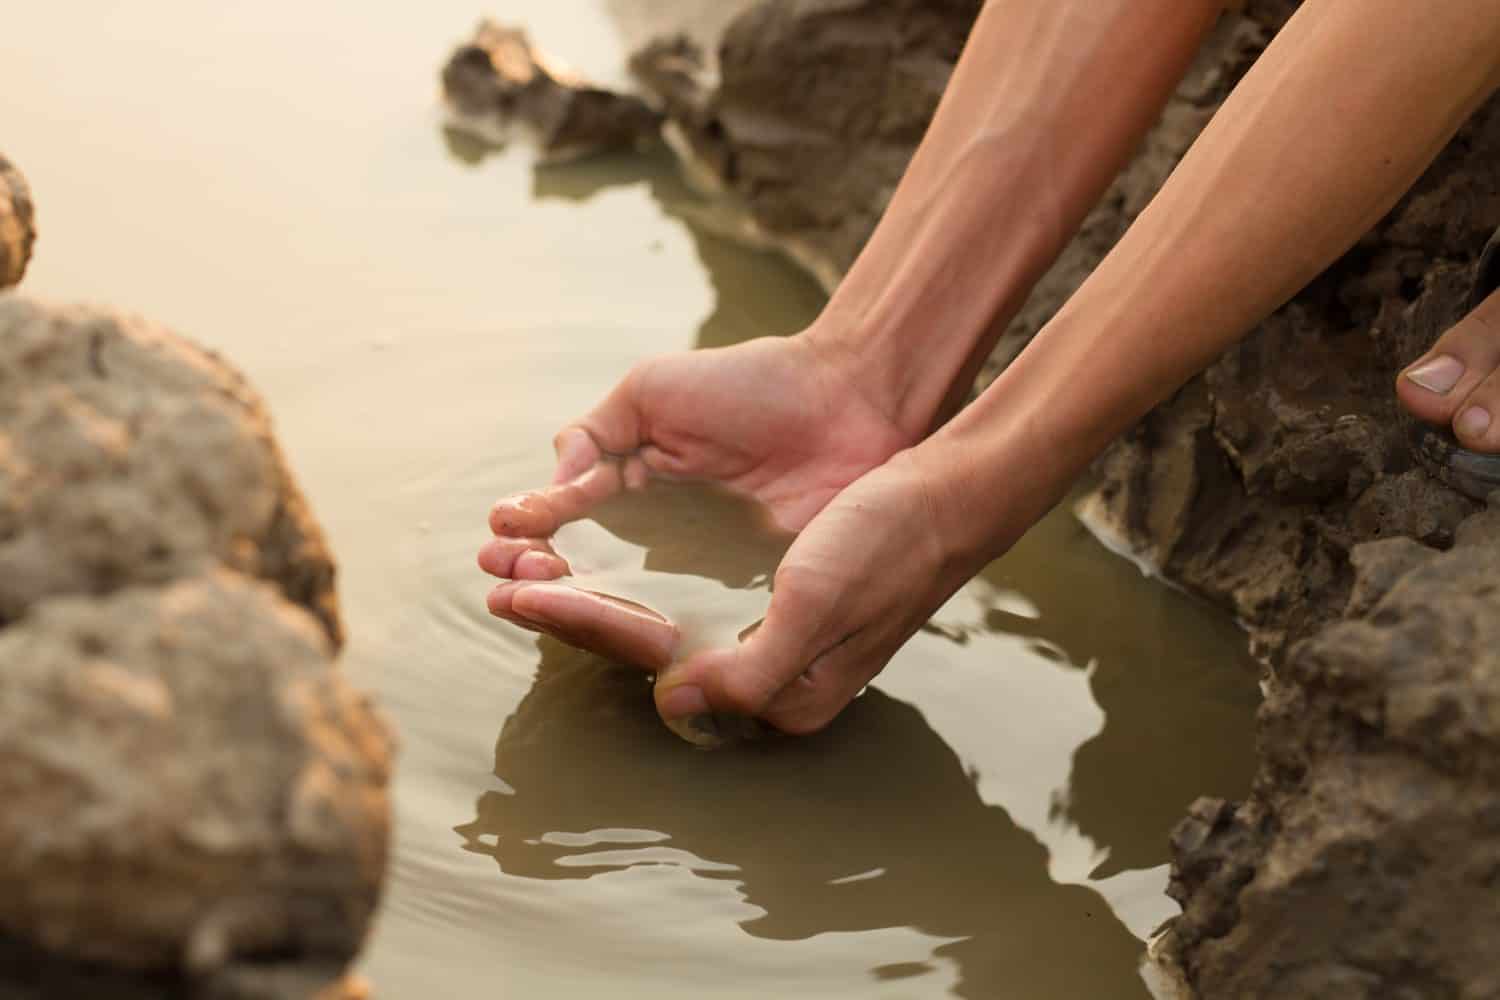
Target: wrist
(997,469)
(914,361)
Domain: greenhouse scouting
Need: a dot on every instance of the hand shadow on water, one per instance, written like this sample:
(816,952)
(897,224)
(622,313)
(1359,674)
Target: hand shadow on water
(878,794)
(1173,676)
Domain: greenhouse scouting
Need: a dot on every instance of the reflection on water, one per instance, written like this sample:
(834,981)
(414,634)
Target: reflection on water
(990,818)
(743,306)
(873,823)
(881,821)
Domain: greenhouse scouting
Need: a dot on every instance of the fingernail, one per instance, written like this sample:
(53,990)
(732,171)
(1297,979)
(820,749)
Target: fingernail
(685,711)
(683,702)
(527,607)
(1473,422)
(1439,374)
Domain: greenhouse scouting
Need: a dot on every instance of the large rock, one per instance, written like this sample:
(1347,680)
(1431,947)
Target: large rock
(1367,861)
(189,786)
(17,224)
(128,455)
(498,82)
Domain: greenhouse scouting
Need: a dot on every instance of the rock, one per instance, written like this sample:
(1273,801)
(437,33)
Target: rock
(128,455)
(17,224)
(1366,862)
(1377,567)
(1307,453)
(499,82)
(189,785)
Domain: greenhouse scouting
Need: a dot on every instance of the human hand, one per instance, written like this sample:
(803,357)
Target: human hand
(771,419)
(864,575)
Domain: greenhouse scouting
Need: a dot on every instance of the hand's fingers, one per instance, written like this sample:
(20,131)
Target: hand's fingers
(537,565)
(499,603)
(610,626)
(812,701)
(576,453)
(635,473)
(613,428)
(521,558)
(539,513)
(660,462)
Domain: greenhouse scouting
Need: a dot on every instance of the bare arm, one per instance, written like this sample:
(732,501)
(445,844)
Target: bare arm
(1340,116)
(1047,102)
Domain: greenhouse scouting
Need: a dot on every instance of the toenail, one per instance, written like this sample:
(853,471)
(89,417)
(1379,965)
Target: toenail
(1473,422)
(1439,374)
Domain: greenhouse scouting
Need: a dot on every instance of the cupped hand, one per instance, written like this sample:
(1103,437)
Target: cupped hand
(863,576)
(772,419)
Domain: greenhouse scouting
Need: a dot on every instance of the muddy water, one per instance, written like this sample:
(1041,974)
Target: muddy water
(988,820)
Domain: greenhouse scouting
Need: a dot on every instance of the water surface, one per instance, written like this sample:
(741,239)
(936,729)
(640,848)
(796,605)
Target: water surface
(990,819)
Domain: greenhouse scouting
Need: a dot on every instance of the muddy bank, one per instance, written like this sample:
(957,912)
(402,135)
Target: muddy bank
(1280,484)
(195,798)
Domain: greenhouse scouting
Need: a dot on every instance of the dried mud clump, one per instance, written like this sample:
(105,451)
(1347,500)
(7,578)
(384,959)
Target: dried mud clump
(128,455)
(1366,863)
(195,800)
(188,783)
(498,83)
(17,224)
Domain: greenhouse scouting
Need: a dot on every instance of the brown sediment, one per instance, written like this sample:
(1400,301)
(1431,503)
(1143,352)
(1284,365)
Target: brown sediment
(196,800)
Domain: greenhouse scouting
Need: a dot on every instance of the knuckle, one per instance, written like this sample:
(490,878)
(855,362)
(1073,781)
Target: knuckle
(797,585)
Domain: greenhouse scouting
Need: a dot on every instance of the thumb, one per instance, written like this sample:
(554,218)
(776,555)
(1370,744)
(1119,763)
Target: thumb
(747,679)
(613,428)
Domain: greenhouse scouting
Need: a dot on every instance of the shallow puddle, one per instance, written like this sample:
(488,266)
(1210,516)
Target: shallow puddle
(988,820)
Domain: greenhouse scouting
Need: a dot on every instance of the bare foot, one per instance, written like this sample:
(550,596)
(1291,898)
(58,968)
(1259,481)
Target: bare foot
(1457,382)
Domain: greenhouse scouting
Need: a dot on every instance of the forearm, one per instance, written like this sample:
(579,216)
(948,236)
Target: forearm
(1341,115)
(1046,103)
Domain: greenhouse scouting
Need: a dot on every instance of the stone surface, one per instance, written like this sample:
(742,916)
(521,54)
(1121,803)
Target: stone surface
(128,455)
(1254,483)
(1367,861)
(189,785)
(498,82)
(17,224)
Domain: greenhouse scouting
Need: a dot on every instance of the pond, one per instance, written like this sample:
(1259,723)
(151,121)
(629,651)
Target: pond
(422,313)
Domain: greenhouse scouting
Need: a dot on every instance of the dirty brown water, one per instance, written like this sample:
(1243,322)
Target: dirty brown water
(988,820)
